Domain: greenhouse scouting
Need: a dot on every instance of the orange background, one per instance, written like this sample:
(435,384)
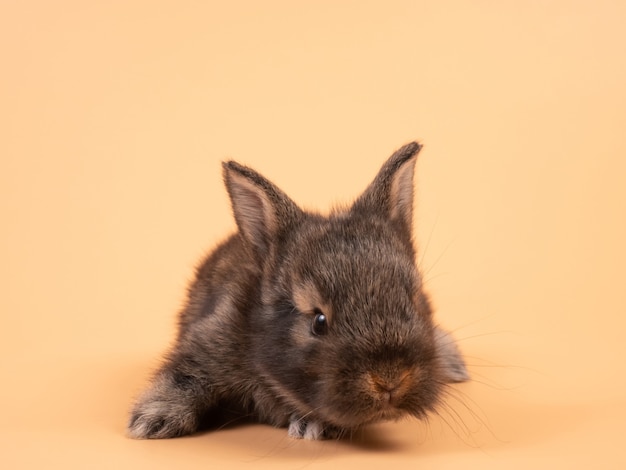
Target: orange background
(116,114)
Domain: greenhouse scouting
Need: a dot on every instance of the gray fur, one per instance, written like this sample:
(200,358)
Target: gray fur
(246,341)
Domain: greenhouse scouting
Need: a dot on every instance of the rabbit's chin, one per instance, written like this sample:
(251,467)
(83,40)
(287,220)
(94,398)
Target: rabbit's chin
(390,414)
(350,421)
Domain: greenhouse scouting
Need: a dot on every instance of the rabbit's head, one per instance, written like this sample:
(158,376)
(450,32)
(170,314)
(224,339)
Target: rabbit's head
(345,332)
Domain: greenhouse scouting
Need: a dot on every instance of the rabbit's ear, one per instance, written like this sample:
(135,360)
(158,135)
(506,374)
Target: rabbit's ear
(262,211)
(391,193)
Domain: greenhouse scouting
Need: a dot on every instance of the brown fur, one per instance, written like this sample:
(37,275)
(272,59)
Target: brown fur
(246,340)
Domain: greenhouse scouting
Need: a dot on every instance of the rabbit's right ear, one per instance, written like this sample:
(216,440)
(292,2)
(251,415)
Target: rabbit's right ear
(390,195)
(262,211)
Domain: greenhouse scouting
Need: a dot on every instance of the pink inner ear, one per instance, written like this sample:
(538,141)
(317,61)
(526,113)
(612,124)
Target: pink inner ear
(252,210)
(390,195)
(401,197)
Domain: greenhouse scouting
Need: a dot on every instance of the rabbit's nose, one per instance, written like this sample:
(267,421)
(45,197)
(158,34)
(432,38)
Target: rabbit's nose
(390,389)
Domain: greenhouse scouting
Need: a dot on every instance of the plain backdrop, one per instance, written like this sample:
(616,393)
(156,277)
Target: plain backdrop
(115,116)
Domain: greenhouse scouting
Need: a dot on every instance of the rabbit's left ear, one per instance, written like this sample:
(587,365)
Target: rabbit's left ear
(390,195)
(262,211)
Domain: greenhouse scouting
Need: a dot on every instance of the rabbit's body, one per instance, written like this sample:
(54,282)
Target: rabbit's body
(315,323)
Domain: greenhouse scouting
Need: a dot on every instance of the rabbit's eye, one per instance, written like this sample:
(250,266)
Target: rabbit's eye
(319,327)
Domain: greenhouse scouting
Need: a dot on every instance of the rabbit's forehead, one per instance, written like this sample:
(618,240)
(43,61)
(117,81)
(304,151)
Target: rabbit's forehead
(349,261)
(336,283)
(362,266)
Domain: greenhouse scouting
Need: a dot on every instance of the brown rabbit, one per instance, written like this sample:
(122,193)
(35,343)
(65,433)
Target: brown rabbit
(311,322)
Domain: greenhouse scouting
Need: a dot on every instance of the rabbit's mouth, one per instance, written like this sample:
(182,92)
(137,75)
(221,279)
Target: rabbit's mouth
(389,413)
(364,416)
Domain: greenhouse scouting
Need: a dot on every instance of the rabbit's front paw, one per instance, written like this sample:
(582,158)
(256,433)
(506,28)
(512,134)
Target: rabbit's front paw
(160,420)
(300,428)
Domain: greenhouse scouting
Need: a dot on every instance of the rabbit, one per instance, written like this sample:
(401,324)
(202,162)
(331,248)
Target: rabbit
(318,324)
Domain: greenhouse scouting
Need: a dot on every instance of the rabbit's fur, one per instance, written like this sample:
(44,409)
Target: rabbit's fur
(318,324)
